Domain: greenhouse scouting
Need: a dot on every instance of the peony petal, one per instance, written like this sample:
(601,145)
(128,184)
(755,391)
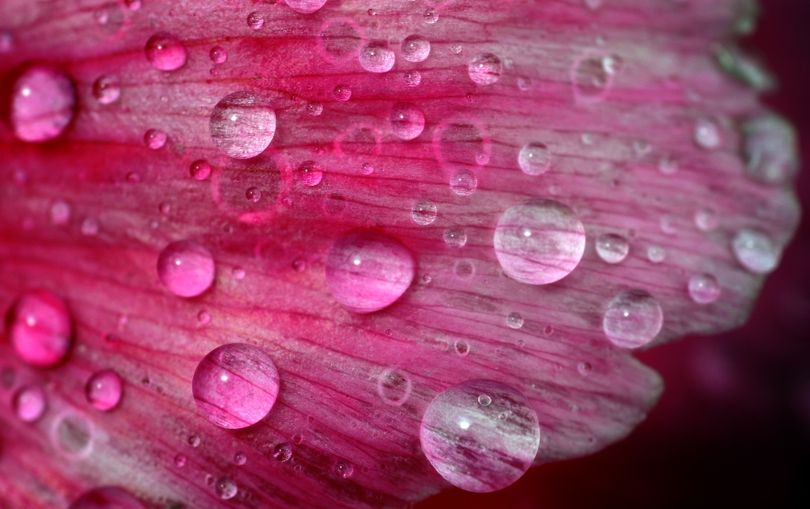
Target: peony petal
(385,225)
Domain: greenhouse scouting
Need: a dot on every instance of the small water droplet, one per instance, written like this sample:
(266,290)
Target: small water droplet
(464,269)
(203,317)
(430,16)
(667,165)
(43,104)
(89,226)
(534,159)
(612,248)
(415,48)
(592,76)
(342,93)
(770,149)
(106,89)
(343,469)
(200,170)
(180,460)
(218,55)
(656,254)
(394,386)
(707,133)
(413,78)
(706,220)
(60,212)
(633,318)
(704,288)
(755,251)
(243,124)
(165,52)
(514,320)
(29,403)
(424,213)
(186,268)
(584,368)
(155,139)
(309,173)
(485,69)
(283,452)
(194,441)
(225,488)
(255,20)
(455,237)
(235,385)
(377,57)
(239,458)
(463,183)
(104,390)
(461,347)
(407,121)
(253,194)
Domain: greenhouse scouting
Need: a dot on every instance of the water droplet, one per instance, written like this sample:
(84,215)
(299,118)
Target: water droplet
(755,251)
(255,20)
(200,170)
(60,212)
(309,173)
(72,435)
(415,48)
(342,93)
(707,133)
(485,69)
(203,317)
(343,469)
(243,124)
(29,403)
(534,159)
(539,242)
(225,488)
(430,16)
(704,288)
(180,460)
(413,78)
(253,194)
(463,183)
(104,390)
(656,254)
(155,139)
(514,320)
(394,386)
(455,237)
(194,441)
(186,268)
(165,52)
(470,446)
(314,109)
(633,318)
(235,385)
(668,165)
(305,6)
(40,328)
(592,76)
(461,347)
(107,89)
(407,121)
(367,271)
(584,368)
(43,104)
(377,57)
(107,497)
(283,452)
(424,213)
(706,220)
(770,149)
(612,248)
(239,458)
(218,55)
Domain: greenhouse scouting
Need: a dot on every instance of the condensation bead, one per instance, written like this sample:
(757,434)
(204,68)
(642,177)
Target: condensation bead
(40,328)
(43,103)
(186,268)
(632,319)
(755,251)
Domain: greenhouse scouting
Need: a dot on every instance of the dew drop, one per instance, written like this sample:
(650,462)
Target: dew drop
(755,251)
(60,212)
(203,317)
(107,497)
(592,76)
(407,121)
(656,254)
(704,288)
(283,452)
(255,20)
(707,133)
(534,159)
(514,320)
(461,347)
(455,237)
(194,441)
(485,69)
(106,89)
(394,386)
(343,469)
(470,445)
(539,242)
(43,104)
(770,149)
(186,268)
(377,57)
(239,458)
(424,213)
(104,390)
(165,52)
(612,248)
(706,220)
(413,78)
(253,194)
(430,16)
(633,318)
(218,55)
(242,124)
(309,173)
(200,170)
(39,328)
(463,183)
(464,269)
(584,368)
(29,403)
(415,48)
(668,165)
(180,460)
(367,271)
(305,6)
(235,385)
(342,93)
(225,488)
(155,139)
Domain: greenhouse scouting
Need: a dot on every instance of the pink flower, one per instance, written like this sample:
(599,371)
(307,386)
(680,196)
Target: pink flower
(311,253)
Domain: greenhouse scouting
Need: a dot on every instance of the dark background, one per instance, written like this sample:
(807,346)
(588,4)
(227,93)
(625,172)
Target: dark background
(733,427)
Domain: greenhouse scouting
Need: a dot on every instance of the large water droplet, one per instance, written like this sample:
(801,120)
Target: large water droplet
(407,121)
(612,248)
(755,251)
(107,497)
(235,385)
(475,447)
(632,319)
(534,159)
(305,6)
(186,268)
(43,103)
(243,124)
(704,288)
(29,403)
(415,48)
(485,69)
(539,242)
(104,390)
(367,271)
(770,149)
(377,57)
(40,328)
(165,52)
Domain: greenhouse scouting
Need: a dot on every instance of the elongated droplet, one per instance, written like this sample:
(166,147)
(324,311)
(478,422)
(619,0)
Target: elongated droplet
(43,103)
(40,328)
(539,242)
(235,385)
(186,268)
(243,124)
(480,447)
(632,319)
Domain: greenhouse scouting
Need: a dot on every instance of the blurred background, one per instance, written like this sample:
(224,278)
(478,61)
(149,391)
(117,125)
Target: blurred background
(733,426)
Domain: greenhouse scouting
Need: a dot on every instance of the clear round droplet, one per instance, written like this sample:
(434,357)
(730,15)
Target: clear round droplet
(430,16)
(305,6)
(407,121)
(43,103)
(656,254)
(463,183)
(239,458)
(40,328)
(243,124)
(770,149)
(29,403)
(155,139)
(707,133)
(539,242)
(283,452)
(534,159)
(107,497)
(514,320)
(455,237)
(104,390)
(424,213)
(255,20)
(235,385)
(90,226)
(309,173)
(343,469)
(165,52)
(60,212)
(485,69)
(704,288)
(180,460)
(342,93)
(633,318)
(218,55)
(612,248)
(200,170)
(755,251)
(706,219)
(194,441)
(106,89)
(415,48)
(186,268)
(225,488)
(592,76)
(377,57)
(394,386)
(475,447)
(368,271)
